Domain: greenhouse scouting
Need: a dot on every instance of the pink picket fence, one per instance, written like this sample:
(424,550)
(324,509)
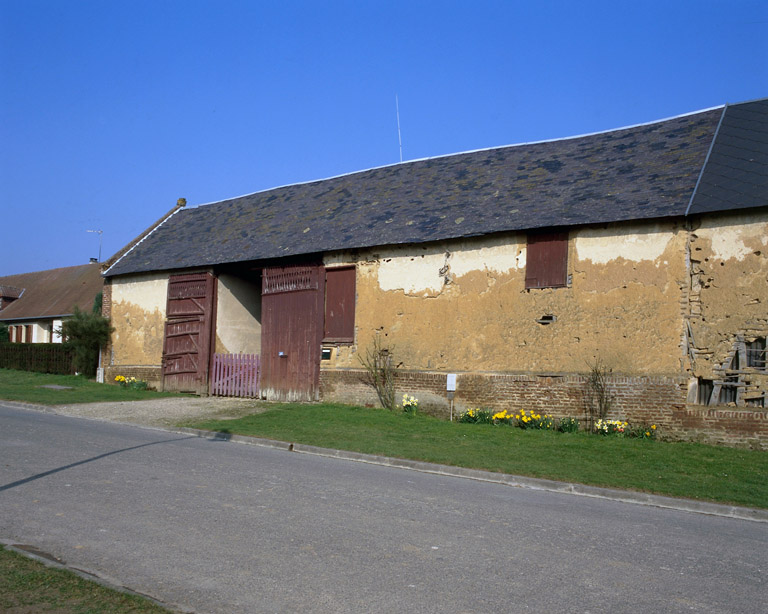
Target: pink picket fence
(235,375)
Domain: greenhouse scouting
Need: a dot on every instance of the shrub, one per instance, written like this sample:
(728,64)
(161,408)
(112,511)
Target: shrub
(380,371)
(131,382)
(86,333)
(622,428)
(642,431)
(611,427)
(568,425)
(410,405)
(532,420)
(476,416)
(502,417)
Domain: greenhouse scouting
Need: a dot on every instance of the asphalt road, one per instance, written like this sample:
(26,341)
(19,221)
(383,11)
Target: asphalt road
(214,526)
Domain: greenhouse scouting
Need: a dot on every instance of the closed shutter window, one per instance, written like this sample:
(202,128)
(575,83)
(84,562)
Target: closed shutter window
(339,305)
(546,262)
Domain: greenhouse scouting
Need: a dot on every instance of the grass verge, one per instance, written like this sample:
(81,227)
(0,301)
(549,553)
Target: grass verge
(30,387)
(31,587)
(695,471)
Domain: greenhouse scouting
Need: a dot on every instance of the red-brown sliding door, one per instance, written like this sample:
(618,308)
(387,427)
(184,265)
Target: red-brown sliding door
(292,330)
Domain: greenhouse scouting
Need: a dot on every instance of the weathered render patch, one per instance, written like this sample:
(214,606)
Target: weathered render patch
(138,316)
(734,238)
(425,270)
(634,243)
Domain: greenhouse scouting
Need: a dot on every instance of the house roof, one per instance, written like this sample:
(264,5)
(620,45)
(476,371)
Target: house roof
(641,172)
(52,293)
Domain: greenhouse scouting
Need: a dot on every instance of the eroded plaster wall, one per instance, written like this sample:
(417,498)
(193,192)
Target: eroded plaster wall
(238,316)
(138,317)
(462,305)
(728,298)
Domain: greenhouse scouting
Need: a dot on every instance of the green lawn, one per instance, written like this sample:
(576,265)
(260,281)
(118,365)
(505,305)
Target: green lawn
(30,387)
(27,586)
(690,470)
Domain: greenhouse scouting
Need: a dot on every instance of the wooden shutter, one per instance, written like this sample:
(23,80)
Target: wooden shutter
(339,305)
(546,262)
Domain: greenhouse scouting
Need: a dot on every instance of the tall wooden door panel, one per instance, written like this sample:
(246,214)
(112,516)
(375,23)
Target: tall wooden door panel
(188,325)
(292,316)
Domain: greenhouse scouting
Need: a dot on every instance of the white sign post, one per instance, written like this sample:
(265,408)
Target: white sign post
(450,387)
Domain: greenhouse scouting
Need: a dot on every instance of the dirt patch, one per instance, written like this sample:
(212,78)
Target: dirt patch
(167,411)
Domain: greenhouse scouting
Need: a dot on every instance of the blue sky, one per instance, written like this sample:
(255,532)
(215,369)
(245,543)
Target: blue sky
(112,110)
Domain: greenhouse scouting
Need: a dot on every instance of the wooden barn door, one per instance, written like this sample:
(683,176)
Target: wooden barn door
(291,332)
(188,325)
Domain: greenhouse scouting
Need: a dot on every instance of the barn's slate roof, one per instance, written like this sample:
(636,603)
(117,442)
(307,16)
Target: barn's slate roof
(52,293)
(736,172)
(641,172)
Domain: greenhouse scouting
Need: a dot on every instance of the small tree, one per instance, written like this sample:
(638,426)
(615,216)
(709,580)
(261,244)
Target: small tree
(86,333)
(380,372)
(597,396)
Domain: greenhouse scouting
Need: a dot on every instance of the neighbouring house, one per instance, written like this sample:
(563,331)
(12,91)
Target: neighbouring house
(518,269)
(33,305)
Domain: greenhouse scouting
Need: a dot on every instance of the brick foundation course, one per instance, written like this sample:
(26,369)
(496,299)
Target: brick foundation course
(150,374)
(640,400)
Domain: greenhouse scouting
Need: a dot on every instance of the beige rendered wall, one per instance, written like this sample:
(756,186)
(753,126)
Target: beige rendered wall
(138,316)
(238,316)
(463,306)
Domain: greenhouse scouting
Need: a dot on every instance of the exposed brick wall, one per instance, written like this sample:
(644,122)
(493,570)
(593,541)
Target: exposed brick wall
(106,311)
(152,375)
(659,400)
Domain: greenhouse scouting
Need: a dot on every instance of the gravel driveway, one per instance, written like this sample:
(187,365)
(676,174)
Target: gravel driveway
(166,411)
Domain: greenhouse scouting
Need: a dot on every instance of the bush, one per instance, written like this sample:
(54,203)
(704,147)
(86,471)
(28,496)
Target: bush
(502,417)
(86,333)
(622,428)
(568,425)
(130,382)
(532,420)
(410,405)
(476,416)
(611,427)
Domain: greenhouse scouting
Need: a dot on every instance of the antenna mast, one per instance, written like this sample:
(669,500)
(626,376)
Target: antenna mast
(399,139)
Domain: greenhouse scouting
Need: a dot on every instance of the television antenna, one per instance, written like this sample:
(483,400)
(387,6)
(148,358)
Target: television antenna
(100,232)
(399,139)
